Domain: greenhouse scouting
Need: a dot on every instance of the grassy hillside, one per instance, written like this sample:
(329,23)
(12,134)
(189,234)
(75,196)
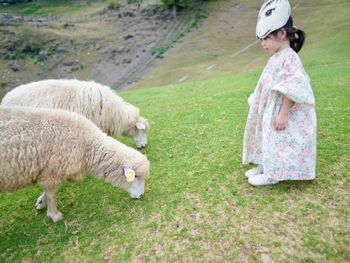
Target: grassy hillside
(54,7)
(66,7)
(86,40)
(218,47)
(198,205)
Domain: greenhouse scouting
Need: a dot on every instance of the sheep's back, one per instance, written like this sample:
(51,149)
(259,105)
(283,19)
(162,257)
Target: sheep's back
(35,143)
(95,101)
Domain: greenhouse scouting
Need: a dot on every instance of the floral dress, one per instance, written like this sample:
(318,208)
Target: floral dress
(289,154)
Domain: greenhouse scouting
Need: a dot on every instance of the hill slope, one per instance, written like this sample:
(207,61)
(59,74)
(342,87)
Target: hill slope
(226,44)
(69,39)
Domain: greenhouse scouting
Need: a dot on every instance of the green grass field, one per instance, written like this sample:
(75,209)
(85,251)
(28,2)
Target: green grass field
(48,7)
(198,206)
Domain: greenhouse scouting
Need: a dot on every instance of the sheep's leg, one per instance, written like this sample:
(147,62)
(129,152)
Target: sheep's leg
(41,202)
(52,211)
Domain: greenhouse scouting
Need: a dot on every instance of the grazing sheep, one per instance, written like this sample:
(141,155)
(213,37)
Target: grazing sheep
(50,147)
(95,101)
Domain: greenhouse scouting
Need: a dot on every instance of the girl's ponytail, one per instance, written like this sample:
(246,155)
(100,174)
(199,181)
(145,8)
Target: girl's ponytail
(296,38)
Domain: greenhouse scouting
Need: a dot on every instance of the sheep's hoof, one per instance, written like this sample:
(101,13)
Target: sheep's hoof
(40,205)
(41,202)
(55,216)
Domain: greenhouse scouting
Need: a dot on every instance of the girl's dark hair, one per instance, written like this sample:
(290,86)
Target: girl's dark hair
(296,38)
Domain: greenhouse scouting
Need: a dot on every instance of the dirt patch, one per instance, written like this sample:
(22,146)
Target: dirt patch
(112,47)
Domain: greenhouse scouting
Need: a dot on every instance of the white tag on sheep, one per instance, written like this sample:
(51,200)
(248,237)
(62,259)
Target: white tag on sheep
(140,126)
(129,174)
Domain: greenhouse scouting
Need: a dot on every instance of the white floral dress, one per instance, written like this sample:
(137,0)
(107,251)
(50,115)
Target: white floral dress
(289,154)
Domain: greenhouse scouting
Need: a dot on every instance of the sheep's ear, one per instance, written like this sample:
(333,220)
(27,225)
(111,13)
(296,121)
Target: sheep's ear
(129,174)
(140,126)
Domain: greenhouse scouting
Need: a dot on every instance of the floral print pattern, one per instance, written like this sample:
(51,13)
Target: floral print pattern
(289,154)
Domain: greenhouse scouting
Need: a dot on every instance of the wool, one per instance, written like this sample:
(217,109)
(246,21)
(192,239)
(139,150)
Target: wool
(97,102)
(49,147)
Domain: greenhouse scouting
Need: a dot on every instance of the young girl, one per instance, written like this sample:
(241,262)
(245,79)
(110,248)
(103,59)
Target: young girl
(280,134)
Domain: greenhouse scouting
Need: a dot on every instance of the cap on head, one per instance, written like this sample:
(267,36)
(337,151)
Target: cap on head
(273,15)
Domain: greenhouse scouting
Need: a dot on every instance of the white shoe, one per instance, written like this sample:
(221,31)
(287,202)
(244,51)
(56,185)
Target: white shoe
(254,171)
(261,179)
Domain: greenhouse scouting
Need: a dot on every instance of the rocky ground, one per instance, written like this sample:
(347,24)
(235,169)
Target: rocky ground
(112,47)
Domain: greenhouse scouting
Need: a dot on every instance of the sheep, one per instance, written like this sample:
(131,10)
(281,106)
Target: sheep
(95,101)
(51,146)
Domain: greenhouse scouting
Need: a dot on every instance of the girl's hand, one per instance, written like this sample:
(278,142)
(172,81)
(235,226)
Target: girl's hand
(282,117)
(281,121)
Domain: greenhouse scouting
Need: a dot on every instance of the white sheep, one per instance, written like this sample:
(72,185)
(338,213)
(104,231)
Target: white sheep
(48,147)
(97,102)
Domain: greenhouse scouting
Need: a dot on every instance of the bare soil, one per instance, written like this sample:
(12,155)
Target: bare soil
(113,47)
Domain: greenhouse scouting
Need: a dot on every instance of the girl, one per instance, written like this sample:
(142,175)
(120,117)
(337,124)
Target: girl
(280,134)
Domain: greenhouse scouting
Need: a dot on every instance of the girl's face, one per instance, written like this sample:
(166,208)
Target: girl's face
(275,41)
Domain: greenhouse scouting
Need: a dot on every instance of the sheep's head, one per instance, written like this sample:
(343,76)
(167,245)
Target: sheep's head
(120,165)
(134,179)
(138,132)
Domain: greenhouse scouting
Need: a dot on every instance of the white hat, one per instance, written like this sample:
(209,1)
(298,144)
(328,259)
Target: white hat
(273,15)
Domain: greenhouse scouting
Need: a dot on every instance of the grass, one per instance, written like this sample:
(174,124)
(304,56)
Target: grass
(49,7)
(198,205)
(230,27)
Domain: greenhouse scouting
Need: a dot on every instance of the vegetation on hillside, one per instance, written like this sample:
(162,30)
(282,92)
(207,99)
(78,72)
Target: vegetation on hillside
(176,4)
(42,40)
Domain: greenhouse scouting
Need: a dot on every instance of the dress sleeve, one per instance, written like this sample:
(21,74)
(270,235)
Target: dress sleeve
(293,82)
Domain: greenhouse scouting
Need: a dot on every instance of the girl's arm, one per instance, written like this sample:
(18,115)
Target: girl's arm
(282,117)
